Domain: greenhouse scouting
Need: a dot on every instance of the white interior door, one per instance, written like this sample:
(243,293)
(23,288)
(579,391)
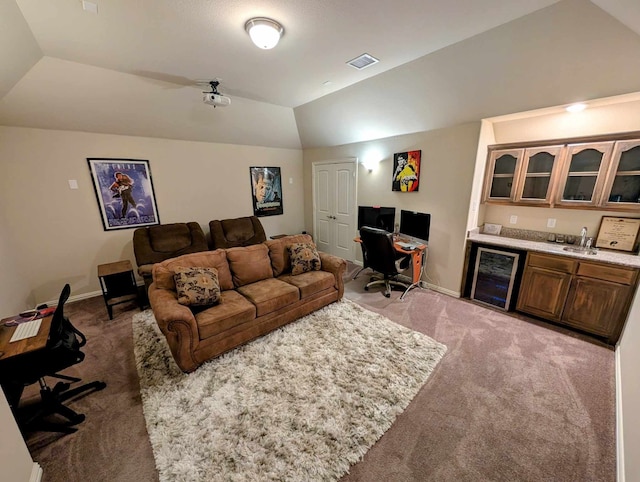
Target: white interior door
(335,207)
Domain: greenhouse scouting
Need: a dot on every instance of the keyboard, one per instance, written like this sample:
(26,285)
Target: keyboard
(407,246)
(27,329)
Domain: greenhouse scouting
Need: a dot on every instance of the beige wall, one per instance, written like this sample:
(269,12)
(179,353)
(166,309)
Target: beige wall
(59,230)
(601,120)
(448,159)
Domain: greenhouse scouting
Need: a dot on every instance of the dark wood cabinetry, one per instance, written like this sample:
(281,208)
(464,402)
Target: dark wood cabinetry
(598,173)
(590,296)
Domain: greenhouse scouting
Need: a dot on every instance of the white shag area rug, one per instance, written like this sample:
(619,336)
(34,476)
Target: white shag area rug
(302,403)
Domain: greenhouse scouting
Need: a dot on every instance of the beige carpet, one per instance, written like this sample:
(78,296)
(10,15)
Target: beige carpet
(302,403)
(512,400)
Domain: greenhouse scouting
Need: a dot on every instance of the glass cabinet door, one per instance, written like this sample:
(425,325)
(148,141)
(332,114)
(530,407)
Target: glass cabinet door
(502,173)
(584,173)
(539,170)
(623,184)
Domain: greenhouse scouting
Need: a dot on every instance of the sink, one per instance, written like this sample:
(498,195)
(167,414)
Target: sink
(581,250)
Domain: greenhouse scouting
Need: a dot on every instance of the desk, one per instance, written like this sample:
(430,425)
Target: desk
(26,345)
(417,260)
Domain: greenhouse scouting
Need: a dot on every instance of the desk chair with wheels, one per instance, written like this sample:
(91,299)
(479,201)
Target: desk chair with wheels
(380,255)
(61,352)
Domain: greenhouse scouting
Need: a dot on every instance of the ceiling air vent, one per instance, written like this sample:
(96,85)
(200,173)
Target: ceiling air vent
(364,60)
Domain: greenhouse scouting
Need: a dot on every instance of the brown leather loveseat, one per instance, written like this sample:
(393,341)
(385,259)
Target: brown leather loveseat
(154,244)
(259,293)
(229,233)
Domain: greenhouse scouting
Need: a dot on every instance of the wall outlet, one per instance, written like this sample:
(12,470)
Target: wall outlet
(551,223)
(73,184)
(513,219)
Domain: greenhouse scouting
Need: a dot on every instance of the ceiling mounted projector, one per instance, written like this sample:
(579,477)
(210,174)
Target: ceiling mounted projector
(216,100)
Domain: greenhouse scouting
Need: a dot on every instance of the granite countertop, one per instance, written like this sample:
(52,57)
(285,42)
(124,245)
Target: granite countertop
(605,256)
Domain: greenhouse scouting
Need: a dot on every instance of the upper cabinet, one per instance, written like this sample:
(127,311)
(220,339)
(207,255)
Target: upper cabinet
(503,167)
(583,174)
(540,168)
(522,176)
(601,175)
(622,187)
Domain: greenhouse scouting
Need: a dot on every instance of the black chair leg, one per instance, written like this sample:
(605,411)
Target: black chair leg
(52,403)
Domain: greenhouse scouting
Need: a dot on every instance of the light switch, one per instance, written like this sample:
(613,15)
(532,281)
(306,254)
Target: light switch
(551,223)
(513,219)
(290,180)
(73,184)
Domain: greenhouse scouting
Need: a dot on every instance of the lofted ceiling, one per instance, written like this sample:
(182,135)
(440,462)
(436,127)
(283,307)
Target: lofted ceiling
(185,40)
(142,58)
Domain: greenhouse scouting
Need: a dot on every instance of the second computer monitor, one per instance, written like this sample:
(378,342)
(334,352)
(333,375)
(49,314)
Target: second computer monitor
(376,217)
(415,225)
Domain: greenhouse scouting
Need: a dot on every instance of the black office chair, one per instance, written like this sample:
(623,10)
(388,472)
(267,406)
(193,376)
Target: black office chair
(61,352)
(380,255)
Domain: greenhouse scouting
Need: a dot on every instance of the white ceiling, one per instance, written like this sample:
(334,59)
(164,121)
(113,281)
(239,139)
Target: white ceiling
(184,40)
(130,69)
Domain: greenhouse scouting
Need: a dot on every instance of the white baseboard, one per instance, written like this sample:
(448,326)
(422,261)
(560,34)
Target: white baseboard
(619,425)
(440,289)
(82,296)
(36,473)
(73,298)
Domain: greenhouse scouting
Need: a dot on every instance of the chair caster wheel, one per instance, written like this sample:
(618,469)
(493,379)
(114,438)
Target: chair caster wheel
(101,386)
(366,288)
(387,295)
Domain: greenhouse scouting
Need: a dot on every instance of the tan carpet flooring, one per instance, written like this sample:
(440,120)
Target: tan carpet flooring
(512,400)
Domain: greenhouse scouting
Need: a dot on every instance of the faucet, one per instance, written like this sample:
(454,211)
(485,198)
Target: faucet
(583,237)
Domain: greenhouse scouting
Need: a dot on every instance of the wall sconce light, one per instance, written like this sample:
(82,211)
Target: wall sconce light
(264,32)
(371,163)
(371,159)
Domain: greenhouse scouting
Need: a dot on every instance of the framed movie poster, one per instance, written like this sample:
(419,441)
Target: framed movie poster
(266,186)
(406,171)
(124,191)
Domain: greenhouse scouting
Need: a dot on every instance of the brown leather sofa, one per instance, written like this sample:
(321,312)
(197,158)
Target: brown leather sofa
(229,233)
(258,295)
(153,244)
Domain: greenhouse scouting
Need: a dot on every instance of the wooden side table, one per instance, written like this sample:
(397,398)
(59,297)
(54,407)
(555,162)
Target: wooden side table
(118,284)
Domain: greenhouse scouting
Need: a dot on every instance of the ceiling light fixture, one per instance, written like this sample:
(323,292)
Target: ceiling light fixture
(576,107)
(264,32)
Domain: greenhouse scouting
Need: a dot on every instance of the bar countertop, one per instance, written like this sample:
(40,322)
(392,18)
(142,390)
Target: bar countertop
(603,255)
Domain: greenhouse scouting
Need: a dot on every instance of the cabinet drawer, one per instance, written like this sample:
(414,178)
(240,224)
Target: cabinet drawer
(616,274)
(565,265)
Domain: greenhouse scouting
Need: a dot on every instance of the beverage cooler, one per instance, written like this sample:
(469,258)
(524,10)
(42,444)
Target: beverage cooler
(494,275)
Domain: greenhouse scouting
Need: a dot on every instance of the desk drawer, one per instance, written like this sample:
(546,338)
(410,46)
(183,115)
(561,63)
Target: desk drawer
(556,263)
(615,274)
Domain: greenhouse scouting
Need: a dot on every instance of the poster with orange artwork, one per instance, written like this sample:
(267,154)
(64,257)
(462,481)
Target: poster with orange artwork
(406,171)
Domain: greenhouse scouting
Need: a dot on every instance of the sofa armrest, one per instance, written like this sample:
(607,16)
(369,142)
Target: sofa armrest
(146,270)
(336,266)
(178,325)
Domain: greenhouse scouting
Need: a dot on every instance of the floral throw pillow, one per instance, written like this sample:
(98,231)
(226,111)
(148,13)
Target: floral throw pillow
(304,257)
(197,286)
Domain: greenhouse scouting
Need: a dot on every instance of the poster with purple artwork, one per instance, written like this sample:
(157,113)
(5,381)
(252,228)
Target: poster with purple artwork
(124,191)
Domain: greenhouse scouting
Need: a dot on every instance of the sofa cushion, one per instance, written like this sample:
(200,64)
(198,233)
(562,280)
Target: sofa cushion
(310,283)
(163,272)
(270,295)
(249,264)
(197,286)
(167,238)
(279,254)
(233,310)
(304,257)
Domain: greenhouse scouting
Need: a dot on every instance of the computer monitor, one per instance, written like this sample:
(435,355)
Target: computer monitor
(415,225)
(376,217)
